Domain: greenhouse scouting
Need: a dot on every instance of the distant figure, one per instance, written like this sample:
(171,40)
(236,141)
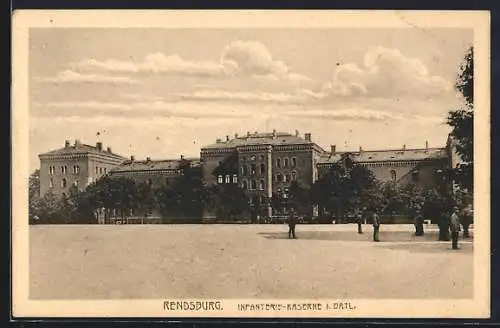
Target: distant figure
(466,220)
(292,221)
(359,221)
(376,226)
(419,223)
(454,227)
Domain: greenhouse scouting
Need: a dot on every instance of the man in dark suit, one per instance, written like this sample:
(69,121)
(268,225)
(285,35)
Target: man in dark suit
(376,225)
(455,227)
(292,221)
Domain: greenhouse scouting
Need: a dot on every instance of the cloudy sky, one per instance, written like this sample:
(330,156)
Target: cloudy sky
(166,92)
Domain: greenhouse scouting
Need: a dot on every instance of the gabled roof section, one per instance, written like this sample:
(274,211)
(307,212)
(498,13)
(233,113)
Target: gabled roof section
(272,138)
(367,156)
(79,148)
(155,165)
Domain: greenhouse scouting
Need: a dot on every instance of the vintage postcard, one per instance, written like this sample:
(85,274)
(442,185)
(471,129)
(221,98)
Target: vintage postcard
(291,164)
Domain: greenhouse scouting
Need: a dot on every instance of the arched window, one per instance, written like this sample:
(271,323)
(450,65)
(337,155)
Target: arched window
(235,178)
(393,175)
(228,178)
(51,183)
(261,185)
(285,163)
(414,175)
(64,183)
(220,179)
(294,162)
(253,185)
(262,169)
(278,162)
(294,175)
(254,169)
(244,184)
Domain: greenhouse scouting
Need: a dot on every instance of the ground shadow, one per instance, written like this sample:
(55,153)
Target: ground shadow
(385,236)
(438,247)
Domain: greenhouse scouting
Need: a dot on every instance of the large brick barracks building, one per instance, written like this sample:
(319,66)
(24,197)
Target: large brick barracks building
(263,164)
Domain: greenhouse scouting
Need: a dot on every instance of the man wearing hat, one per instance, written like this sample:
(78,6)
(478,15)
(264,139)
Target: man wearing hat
(454,227)
(292,221)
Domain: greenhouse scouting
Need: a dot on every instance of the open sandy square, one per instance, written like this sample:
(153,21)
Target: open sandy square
(244,261)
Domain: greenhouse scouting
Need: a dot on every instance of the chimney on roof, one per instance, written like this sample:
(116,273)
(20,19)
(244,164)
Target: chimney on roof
(109,149)
(98,145)
(307,136)
(296,133)
(77,142)
(404,147)
(274,133)
(182,157)
(426,144)
(333,149)
(132,158)
(360,149)
(148,159)
(227,138)
(66,144)
(236,135)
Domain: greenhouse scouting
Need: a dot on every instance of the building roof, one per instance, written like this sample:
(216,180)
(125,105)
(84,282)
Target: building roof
(387,155)
(272,138)
(79,148)
(154,165)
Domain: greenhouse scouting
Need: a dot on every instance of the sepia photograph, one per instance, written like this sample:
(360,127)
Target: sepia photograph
(251,164)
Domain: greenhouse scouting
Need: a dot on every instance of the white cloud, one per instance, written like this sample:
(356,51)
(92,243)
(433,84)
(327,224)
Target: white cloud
(386,73)
(154,63)
(248,59)
(252,97)
(70,76)
(347,114)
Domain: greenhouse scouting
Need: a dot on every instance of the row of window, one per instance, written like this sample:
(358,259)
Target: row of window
(64,183)
(100,170)
(285,162)
(227,179)
(252,170)
(285,177)
(64,169)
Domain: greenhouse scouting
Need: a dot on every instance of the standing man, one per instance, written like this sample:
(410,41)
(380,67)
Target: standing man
(455,228)
(292,221)
(376,225)
(419,223)
(359,220)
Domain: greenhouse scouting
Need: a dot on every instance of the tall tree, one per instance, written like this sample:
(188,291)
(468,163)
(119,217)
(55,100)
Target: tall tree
(345,186)
(34,197)
(462,121)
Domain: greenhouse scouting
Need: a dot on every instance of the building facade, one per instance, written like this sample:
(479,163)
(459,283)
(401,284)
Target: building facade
(75,165)
(402,166)
(263,164)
